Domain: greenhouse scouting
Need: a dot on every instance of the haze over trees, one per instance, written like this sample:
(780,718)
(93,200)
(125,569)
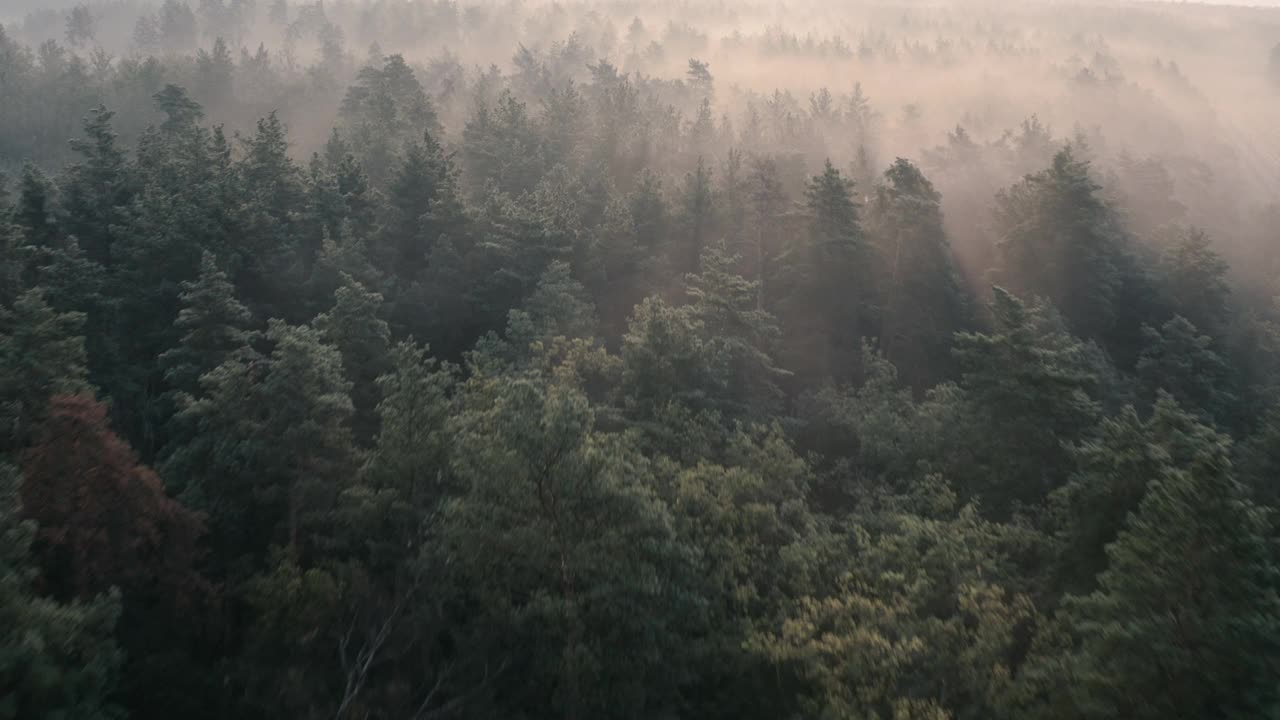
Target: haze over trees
(596,360)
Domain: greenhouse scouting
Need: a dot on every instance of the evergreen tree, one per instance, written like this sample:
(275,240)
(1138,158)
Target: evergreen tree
(383,110)
(423,206)
(767,203)
(1059,239)
(829,295)
(919,626)
(271,446)
(649,216)
(41,355)
(1183,623)
(1178,360)
(354,327)
(412,450)
(214,326)
(183,207)
(1193,281)
(97,190)
(670,380)
(266,250)
(589,560)
(740,336)
(696,217)
(1029,385)
(922,302)
(33,213)
(500,146)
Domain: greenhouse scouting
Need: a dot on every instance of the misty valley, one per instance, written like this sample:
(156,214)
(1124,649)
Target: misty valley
(606,359)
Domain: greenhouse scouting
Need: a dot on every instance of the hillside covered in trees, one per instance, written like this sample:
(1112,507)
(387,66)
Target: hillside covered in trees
(594,360)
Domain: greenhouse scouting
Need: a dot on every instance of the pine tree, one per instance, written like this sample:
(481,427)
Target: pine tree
(41,355)
(1193,281)
(97,189)
(557,308)
(827,293)
(649,216)
(32,215)
(922,302)
(423,207)
(672,381)
(266,250)
(1029,384)
(501,146)
(740,336)
(214,325)
(1114,466)
(589,564)
(696,217)
(759,550)
(919,624)
(354,326)
(766,201)
(1178,360)
(412,450)
(184,206)
(1183,624)
(272,444)
(1060,240)
(384,109)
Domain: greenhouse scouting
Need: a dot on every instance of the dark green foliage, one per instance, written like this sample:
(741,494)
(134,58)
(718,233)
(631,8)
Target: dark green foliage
(1178,360)
(383,110)
(355,328)
(1029,385)
(922,304)
(41,355)
(829,302)
(1061,240)
(271,447)
(561,541)
(265,249)
(740,335)
(424,206)
(214,326)
(97,189)
(1184,621)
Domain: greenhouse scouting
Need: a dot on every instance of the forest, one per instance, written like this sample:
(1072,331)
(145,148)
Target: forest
(606,359)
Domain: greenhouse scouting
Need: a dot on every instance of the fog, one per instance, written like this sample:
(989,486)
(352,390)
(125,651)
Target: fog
(632,359)
(1172,94)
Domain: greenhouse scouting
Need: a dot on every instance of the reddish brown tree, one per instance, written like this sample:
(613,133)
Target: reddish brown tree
(104,520)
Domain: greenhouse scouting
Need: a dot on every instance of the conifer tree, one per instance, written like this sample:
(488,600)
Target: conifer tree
(97,190)
(1183,624)
(1060,240)
(740,336)
(696,217)
(1029,384)
(922,305)
(214,325)
(354,326)
(590,561)
(41,355)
